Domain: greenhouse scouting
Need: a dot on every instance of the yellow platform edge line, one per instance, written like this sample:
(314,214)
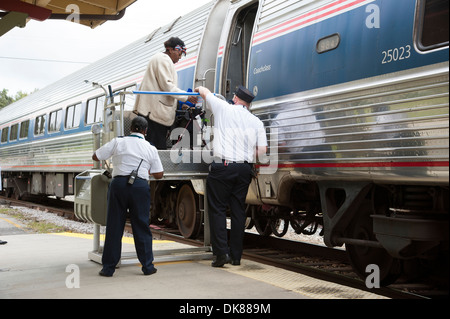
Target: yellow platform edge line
(126,240)
(11,222)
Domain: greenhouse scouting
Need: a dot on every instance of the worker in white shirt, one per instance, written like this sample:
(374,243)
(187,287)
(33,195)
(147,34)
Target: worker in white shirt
(239,137)
(129,191)
(159,110)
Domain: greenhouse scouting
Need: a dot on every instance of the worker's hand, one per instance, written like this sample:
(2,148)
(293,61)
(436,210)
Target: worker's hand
(192,99)
(203,91)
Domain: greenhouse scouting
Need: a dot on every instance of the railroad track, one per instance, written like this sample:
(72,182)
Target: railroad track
(324,263)
(62,208)
(316,261)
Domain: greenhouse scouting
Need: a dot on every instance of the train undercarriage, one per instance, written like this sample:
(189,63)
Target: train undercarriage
(19,184)
(401,229)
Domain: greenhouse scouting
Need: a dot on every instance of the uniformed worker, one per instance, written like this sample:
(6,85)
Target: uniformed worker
(238,137)
(161,75)
(129,153)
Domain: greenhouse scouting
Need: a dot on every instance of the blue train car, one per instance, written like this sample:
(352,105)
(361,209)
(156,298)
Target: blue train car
(354,96)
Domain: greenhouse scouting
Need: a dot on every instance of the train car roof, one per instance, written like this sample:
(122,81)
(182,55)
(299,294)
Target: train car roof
(122,68)
(92,13)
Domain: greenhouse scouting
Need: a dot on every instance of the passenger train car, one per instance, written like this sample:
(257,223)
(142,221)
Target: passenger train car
(354,97)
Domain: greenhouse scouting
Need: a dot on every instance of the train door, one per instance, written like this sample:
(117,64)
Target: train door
(235,56)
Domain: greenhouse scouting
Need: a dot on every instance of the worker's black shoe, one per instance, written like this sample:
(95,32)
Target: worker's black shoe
(104,274)
(235,262)
(220,260)
(2,242)
(150,272)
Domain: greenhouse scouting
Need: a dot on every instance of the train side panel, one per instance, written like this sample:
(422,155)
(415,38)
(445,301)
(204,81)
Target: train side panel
(354,96)
(349,93)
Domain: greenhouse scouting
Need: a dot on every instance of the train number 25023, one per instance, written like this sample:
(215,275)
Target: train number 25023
(396,54)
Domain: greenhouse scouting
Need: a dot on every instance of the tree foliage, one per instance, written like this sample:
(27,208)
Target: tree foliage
(5,99)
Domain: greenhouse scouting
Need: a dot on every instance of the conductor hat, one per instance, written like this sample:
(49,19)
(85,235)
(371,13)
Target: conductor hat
(244,94)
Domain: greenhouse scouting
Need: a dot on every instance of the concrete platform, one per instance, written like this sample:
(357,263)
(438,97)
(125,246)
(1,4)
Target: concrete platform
(48,266)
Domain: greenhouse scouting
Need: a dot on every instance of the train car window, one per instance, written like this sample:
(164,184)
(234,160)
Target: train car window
(94,110)
(14,132)
(328,43)
(54,122)
(432,29)
(24,129)
(73,114)
(5,132)
(39,125)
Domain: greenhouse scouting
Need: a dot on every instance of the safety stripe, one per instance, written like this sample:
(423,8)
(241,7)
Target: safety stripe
(299,165)
(126,240)
(12,223)
(49,165)
(183,64)
(362,164)
(309,18)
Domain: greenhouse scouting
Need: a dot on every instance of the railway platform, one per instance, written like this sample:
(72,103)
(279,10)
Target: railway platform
(56,266)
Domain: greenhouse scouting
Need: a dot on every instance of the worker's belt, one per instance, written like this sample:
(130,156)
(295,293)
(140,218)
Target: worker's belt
(127,176)
(227,162)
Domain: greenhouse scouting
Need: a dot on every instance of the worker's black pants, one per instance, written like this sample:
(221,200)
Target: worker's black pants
(227,186)
(157,134)
(135,198)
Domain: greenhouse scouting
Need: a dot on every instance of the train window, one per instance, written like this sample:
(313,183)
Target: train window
(5,132)
(73,115)
(94,110)
(432,29)
(54,122)
(39,125)
(24,129)
(13,134)
(328,43)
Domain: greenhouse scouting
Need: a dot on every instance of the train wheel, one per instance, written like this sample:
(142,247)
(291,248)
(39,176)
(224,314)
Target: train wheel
(249,212)
(9,192)
(188,217)
(362,256)
(279,224)
(17,194)
(262,222)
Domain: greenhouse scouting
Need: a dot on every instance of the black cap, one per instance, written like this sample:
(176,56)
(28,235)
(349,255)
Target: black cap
(244,94)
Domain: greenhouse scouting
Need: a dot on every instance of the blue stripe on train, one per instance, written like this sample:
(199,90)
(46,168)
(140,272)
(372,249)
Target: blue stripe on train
(290,63)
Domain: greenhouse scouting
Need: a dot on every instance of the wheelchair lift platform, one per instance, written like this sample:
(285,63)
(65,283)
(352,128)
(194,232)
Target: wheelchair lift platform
(180,164)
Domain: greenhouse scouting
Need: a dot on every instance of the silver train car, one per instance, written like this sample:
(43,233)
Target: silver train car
(354,97)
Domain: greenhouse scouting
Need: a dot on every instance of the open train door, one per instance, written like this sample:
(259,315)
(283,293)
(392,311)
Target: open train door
(234,47)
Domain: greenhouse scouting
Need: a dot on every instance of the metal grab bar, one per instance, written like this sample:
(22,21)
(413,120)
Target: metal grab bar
(166,93)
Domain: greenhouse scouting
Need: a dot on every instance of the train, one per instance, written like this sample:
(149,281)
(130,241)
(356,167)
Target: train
(354,98)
